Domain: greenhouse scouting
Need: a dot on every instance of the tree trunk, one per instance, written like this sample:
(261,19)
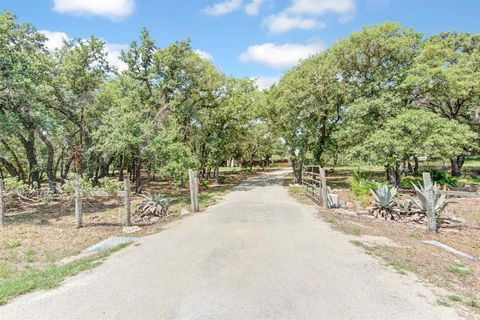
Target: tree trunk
(457,164)
(393,175)
(455,168)
(19,168)
(66,169)
(217,170)
(30,152)
(52,183)
(9,166)
(138,174)
(122,168)
(416,166)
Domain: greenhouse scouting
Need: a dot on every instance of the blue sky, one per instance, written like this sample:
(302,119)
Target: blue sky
(253,38)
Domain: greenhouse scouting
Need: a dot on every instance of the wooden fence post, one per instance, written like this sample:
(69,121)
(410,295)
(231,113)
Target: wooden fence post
(431,218)
(126,189)
(193,183)
(78,201)
(323,181)
(2,204)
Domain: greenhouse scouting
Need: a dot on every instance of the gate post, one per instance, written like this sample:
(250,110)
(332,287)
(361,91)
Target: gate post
(193,184)
(323,181)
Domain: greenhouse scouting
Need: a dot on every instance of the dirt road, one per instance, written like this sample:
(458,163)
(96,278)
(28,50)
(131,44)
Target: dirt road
(257,255)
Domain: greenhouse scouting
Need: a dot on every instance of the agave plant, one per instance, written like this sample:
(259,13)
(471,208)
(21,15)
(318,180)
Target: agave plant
(431,203)
(154,206)
(384,202)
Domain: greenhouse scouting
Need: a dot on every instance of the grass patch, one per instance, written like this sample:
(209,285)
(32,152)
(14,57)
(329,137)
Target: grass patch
(401,267)
(12,245)
(357,231)
(437,282)
(415,235)
(49,278)
(459,268)
(455,298)
(357,243)
(443,303)
(477,245)
(475,303)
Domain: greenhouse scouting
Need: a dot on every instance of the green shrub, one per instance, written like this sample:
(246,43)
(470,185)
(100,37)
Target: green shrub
(14,184)
(441,177)
(361,189)
(104,184)
(406,182)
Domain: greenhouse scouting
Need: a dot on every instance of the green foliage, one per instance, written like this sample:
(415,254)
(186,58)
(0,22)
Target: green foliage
(361,188)
(104,184)
(383,197)
(14,184)
(430,196)
(442,178)
(416,133)
(406,182)
(459,269)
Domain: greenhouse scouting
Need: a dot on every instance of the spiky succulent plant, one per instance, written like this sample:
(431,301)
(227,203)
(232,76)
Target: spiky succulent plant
(426,196)
(384,201)
(154,205)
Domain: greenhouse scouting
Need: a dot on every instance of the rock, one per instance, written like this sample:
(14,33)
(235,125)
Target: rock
(184,212)
(349,205)
(450,249)
(131,229)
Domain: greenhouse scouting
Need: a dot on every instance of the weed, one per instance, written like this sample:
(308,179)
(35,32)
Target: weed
(477,245)
(400,267)
(443,303)
(459,268)
(12,245)
(30,255)
(415,235)
(455,298)
(357,243)
(474,303)
(357,231)
(437,281)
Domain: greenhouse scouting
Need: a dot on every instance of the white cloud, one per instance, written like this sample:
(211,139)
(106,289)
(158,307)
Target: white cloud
(304,14)
(265,82)
(204,55)
(280,56)
(224,7)
(54,39)
(114,52)
(321,7)
(253,7)
(284,22)
(113,9)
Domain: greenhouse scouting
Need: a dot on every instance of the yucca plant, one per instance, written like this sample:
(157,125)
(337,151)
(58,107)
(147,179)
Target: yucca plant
(154,205)
(431,203)
(384,202)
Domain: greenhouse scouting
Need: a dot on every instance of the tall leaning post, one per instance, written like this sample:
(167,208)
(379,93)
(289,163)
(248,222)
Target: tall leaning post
(323,181)
(431,218)
(193,184)
(78,202)
(2,204)
(126,189)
